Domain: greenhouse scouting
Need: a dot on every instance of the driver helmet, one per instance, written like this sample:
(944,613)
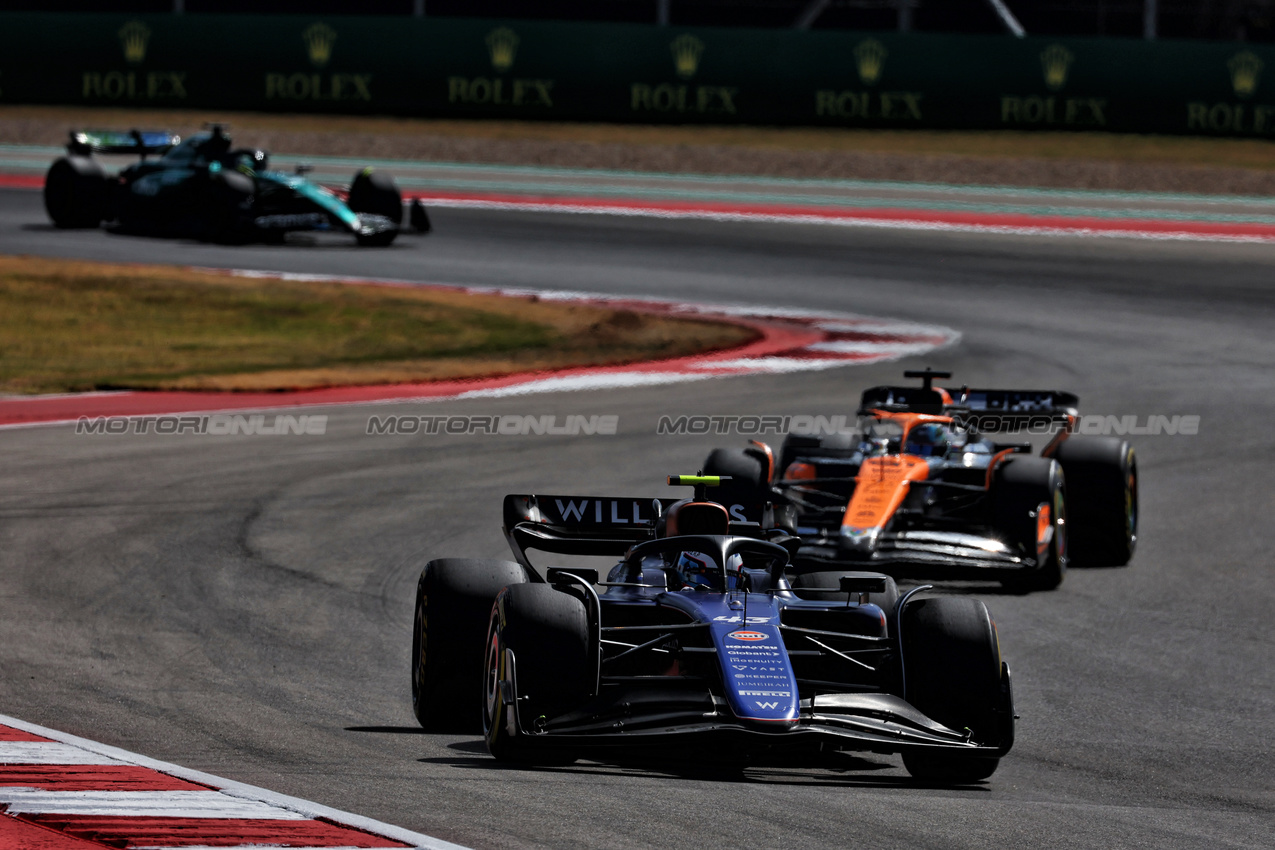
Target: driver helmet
(929,439)
(696,571)
(216,145)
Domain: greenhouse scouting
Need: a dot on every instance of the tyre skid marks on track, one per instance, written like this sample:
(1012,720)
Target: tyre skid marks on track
(788,340)
(62,792)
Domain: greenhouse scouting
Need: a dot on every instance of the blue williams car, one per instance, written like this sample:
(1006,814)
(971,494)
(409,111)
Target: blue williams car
(205,188)
(697,642)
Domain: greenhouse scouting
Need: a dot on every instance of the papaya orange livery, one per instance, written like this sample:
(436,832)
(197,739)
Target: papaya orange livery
(880,487)
(1014,512)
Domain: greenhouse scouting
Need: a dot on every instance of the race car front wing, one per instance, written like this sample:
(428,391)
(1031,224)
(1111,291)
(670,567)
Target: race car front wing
(875,722)
(958,555)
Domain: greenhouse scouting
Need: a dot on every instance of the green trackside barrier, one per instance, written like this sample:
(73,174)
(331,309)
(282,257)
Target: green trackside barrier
(605,72)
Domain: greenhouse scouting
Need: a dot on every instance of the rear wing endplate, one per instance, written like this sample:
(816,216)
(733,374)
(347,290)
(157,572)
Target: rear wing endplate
(1014,410)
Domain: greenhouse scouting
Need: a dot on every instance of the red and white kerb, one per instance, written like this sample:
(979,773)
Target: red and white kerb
(60,792)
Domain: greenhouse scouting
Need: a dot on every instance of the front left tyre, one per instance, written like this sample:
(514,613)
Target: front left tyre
(537,668)
(1029,509)
(952,673)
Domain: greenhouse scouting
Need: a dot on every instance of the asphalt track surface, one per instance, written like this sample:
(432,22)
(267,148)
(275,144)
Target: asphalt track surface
(242,605)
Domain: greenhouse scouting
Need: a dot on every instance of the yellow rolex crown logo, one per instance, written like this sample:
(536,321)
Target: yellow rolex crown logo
(1246,72)
(134,35)
(686,52)
(1055,60)
(319,39)
(502,44)
(869,56)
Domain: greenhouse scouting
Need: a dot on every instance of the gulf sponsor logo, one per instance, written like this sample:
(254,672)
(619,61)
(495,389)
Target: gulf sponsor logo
(748,635)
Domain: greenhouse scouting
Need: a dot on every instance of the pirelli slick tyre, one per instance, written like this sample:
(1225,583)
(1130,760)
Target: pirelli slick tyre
(803,584)
(1029,509)
(537,668)
(75,192)
(374,192)
(1102,500)
(228,202)
(749,481)
(952,673)
(453,602)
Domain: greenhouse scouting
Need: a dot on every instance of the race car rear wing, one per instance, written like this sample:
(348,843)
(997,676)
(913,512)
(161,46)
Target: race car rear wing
(599,525)
(138,142)
(989,410)
(1015,409)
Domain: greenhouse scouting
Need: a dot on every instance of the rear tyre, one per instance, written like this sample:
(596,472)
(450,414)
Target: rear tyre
(75,192)
(1029,508)
(230,195)
(744,470)
(953,674)
(748,481)
(538,650)
(803,582)
(1102,491)
(453,602)
(374,192)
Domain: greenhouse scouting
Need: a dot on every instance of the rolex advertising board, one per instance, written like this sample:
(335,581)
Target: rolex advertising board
(647,74)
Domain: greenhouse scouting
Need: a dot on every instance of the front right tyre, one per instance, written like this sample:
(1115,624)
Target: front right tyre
(375,193)
(453,601)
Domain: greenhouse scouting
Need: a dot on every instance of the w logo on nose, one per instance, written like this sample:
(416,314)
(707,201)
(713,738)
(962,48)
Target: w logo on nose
(766,704)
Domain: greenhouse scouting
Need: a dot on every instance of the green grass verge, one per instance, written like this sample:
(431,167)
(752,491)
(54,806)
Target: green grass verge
(73,326)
